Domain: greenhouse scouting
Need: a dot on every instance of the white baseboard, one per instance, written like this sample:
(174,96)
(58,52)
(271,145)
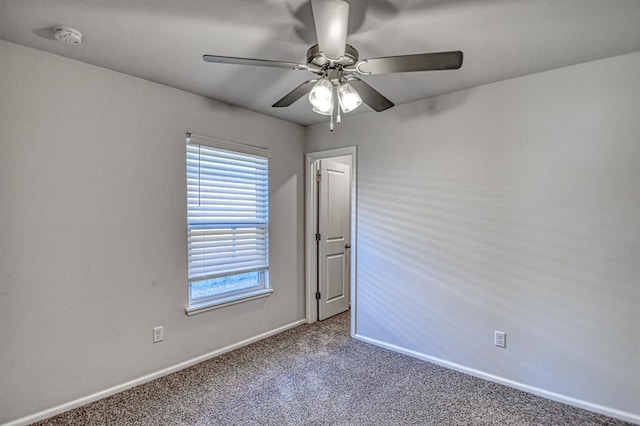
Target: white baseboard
(149,377)
(611,412)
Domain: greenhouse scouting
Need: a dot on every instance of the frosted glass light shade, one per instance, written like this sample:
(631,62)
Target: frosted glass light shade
(348,97)
(321,96)
(327,111)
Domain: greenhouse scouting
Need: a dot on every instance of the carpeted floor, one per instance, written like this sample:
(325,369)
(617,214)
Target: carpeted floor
(317,375)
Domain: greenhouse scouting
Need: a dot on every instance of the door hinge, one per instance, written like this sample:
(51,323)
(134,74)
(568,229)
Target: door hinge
(317,295)
(318,177)
(318,237)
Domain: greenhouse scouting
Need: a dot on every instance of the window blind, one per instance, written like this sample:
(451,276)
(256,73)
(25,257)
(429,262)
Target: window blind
(227,212)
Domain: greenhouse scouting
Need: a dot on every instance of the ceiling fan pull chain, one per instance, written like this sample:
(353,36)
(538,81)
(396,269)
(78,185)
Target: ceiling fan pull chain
(331,122)
(335,107)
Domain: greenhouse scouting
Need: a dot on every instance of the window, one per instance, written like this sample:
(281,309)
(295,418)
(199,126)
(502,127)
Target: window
(227,222)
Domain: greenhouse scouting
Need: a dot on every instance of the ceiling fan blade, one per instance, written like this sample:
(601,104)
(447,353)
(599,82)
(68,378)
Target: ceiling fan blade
(410,63)
(295,94)
(371,96)
(331,18)
(253,62)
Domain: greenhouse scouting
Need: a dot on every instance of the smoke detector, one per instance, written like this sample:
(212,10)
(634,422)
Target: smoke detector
(67,35)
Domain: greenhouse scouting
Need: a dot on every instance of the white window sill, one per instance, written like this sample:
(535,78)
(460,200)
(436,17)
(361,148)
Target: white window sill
(227,301)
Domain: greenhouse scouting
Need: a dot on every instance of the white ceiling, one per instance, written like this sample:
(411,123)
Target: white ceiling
(164,40)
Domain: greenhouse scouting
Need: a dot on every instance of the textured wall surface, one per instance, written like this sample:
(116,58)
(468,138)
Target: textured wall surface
(93,229)
(513,206)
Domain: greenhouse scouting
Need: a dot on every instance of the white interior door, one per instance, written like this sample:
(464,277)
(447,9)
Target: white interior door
(334,239)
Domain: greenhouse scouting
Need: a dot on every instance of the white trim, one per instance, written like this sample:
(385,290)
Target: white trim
(149,377)
(245,148)
(233,299)
(310,246)
(596,408)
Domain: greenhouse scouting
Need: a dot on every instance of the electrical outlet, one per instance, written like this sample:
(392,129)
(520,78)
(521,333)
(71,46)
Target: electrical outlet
(500,339)
(158,334)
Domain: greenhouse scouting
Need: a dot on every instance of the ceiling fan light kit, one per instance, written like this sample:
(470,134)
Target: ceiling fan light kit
(339,88)
(323,100)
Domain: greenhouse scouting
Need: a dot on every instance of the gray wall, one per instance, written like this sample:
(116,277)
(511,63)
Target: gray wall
(513,206)
(92,229)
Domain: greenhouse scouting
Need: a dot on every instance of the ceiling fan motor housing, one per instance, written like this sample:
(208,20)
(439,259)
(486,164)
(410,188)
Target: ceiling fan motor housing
(316,57)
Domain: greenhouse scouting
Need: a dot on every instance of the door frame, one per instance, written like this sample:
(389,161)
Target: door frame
(310,232)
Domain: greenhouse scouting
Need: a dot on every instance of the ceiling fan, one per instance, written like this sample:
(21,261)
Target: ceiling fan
(338,67)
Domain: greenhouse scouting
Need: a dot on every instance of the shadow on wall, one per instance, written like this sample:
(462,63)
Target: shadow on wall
(442,263)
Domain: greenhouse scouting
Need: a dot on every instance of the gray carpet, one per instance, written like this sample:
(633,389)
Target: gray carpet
(317,375)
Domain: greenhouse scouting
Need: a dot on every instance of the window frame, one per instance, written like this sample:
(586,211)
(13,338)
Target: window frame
(241,295)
